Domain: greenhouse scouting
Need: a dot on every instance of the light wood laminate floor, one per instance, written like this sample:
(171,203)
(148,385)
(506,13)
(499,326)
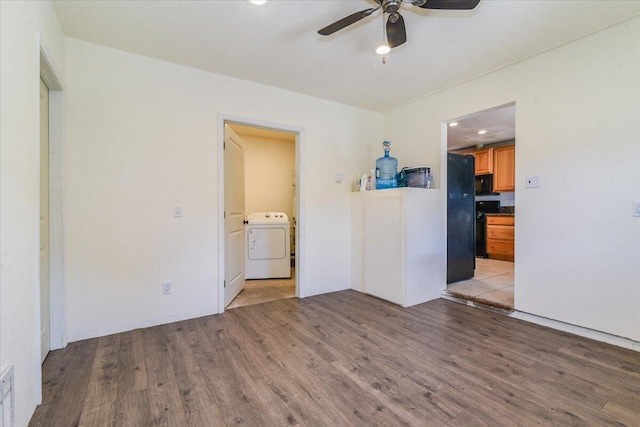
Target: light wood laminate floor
(342,359)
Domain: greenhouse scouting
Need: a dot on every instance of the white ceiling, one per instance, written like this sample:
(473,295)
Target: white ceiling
(278,44)
(500,124)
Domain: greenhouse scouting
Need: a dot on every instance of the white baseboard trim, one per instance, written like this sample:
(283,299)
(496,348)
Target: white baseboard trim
(578,330)
(553,324)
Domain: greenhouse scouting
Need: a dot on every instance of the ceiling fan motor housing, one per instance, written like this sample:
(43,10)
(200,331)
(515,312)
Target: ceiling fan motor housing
(391,6)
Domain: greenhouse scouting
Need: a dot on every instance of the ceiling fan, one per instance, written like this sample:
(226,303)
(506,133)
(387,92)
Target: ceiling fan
(396,32)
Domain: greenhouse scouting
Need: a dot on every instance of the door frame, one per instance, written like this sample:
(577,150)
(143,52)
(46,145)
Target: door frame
(52,77)
(300,198)
(444,146)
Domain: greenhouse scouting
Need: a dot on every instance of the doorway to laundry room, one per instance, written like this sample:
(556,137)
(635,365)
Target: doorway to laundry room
(268,235)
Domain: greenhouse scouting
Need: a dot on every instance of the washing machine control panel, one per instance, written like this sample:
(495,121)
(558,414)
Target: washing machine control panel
(268,217)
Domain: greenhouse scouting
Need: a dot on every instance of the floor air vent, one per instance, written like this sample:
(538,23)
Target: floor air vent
(7,404)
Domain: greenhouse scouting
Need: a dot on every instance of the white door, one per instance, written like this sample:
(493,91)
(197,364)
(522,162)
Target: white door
(44,221)
(234,215)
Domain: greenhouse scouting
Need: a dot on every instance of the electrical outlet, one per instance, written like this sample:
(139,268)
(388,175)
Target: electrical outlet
(636,208)
(166,288)
(532,182)
(177,211)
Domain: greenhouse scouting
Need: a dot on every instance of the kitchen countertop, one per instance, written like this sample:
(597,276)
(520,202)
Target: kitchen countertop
(500,214)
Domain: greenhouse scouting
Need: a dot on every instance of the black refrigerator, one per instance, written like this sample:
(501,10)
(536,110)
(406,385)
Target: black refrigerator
(461,260)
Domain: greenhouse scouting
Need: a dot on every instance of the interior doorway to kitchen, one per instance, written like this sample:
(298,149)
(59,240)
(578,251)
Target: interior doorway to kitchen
(269,237)
(487,139)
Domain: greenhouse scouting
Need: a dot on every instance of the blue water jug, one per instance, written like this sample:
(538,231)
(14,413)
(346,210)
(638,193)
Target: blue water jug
(386,169)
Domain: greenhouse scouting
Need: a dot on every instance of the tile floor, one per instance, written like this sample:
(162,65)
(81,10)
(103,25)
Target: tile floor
(492,284)
(263,290)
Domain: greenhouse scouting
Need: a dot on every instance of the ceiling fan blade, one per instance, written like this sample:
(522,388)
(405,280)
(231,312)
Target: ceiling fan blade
(396,32)
(345,22)
(450,4)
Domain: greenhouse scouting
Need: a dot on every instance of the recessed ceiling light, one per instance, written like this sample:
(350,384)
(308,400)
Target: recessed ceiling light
(258,2)
(381,49)
(453,124)
(482,131)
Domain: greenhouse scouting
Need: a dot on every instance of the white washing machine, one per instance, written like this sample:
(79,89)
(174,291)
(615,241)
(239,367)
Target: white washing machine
(268,246)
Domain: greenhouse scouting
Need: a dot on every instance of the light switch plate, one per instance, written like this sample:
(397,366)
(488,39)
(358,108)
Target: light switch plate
(532,181)
(636,208)
(177,211)
(166,288)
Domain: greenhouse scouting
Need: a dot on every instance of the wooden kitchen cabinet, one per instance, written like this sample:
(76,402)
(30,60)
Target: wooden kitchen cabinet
(500,237)
(504,168)
(484,161)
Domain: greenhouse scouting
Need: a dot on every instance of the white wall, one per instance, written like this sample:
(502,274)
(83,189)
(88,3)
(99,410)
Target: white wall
(19,191)
(141,138)
(269,168)
(578,128)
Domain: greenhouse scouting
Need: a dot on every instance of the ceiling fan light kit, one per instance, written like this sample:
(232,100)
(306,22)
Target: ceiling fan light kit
(396,33)
(382,49)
